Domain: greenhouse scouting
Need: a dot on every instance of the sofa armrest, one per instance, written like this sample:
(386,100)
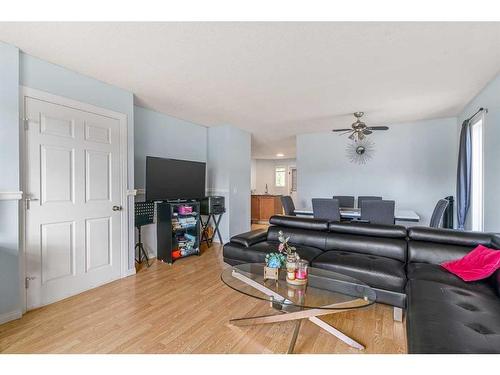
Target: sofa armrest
(248,239)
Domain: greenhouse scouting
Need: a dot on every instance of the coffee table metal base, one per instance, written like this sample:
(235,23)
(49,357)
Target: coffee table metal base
(310,314)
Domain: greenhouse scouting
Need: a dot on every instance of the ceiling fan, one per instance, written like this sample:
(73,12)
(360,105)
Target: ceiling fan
(359,129)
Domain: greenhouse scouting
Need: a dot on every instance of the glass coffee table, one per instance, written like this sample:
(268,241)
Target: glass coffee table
(326,293)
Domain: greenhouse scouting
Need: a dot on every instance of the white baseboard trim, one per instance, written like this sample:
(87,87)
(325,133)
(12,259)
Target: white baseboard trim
(216,240)
(13,315)
(11,195)
(129,272)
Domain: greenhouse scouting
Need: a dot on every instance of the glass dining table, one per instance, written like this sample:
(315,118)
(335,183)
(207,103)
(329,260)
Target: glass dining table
(355,213)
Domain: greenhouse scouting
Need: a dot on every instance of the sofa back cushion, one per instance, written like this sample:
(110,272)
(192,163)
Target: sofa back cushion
(367,229)
(432,245)
(297,222)
(394,248)
(298,236)
(381,240)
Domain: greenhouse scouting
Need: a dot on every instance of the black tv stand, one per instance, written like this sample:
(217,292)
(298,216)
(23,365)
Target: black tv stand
(177,233)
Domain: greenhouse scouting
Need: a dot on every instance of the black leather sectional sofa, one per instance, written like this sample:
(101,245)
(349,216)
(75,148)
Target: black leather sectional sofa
(444,313)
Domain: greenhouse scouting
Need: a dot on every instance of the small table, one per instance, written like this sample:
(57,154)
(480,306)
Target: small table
(355,213)
(326,292)
(204,226)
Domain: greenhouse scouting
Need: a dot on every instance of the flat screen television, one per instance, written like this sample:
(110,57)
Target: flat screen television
(168,179)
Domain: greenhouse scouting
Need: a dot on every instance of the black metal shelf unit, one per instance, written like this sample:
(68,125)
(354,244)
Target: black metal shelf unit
(177,234)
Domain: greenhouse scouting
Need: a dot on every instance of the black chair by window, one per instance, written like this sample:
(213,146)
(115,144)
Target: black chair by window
(345,200)
(288,206)
(366,198)
(438,213)
(324,208)
(377,211)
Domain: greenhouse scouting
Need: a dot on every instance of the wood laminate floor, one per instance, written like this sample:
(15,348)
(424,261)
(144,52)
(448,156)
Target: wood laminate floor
(185,308)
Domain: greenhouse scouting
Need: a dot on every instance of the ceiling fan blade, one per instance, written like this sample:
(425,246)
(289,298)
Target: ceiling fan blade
(346,132)
(341,130)
(367,132)
(377,128)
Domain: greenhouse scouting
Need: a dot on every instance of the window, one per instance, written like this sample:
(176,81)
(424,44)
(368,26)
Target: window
(477,175)
(280,175)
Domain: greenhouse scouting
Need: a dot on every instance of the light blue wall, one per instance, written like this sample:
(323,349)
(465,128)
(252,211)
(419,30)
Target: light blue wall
(240,173)
(489,98)
(228,175)
(42,75)
(413,164)
(160,135)
(218,173)
(10,304)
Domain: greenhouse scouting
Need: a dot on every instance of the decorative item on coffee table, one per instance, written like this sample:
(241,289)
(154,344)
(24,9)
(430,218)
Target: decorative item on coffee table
(296,274)
(274,261)
(299,276)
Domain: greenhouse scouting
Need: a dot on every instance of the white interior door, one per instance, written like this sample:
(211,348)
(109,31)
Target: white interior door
(73,221)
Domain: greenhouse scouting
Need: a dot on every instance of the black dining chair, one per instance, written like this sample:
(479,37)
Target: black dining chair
(345,200)
(288,206)
(325,208)
(438,213)
(366,198)
(377,211)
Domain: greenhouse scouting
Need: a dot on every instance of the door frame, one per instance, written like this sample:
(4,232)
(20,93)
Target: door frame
(63,101)
(289,181)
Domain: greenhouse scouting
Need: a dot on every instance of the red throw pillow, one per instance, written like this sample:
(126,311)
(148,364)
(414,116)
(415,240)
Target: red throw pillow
(476,265)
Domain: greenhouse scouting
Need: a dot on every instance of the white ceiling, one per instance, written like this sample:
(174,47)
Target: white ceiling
(277,80)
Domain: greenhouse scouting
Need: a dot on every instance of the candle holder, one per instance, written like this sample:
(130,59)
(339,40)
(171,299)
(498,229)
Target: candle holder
(298,274)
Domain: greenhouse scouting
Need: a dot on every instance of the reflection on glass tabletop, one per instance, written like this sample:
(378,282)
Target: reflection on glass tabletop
(324,289)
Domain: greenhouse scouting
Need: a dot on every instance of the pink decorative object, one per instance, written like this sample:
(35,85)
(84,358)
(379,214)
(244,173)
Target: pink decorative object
(183,210)
(301,272)
(476,265)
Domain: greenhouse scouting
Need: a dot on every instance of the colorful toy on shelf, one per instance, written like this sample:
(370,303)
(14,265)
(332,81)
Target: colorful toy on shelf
(176,254)
(184,210)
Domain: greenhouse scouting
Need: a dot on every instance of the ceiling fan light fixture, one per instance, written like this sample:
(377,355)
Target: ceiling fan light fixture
(359,130)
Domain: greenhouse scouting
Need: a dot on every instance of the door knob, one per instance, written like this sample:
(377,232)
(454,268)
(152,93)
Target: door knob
(117,208)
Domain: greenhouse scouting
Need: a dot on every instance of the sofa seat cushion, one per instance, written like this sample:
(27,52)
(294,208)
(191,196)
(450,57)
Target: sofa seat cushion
(434,272)
(375,271)
(444,318)
(257,252)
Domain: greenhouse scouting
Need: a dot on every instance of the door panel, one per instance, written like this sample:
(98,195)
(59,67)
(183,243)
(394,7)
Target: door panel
(98,243)
(57,178)
(73,237)
(58,250)
(96,133)
(98,176)
(56,126)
